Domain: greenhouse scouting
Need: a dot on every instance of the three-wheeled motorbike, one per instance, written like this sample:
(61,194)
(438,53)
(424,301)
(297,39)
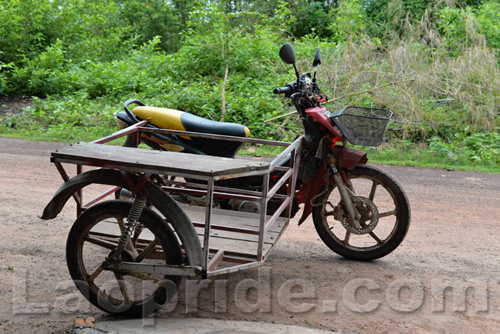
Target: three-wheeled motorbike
(193,210)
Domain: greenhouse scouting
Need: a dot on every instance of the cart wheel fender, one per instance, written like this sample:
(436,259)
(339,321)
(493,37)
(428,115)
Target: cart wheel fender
(157,197)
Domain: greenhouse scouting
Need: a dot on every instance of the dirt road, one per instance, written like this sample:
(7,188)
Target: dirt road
(443,279)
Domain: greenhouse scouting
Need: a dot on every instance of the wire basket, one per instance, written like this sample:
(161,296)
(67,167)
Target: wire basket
(362,126)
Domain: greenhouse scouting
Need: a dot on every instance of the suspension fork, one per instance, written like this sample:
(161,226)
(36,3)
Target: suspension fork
(345,194)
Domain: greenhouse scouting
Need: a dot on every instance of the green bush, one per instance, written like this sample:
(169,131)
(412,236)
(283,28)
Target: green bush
(435,65)
(477,148)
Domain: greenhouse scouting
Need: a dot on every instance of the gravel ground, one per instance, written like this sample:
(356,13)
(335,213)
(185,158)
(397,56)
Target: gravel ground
(444,278)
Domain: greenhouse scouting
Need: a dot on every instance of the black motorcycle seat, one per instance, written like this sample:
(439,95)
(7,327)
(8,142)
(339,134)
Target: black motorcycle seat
(199,124)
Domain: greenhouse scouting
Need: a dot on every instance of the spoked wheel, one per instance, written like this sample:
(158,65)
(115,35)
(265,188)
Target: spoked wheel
(94,237)
(384,210)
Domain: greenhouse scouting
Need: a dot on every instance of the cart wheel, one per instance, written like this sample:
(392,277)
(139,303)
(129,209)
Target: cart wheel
(385,216)
(95,235)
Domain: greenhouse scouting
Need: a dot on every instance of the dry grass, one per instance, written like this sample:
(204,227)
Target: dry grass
(430,91)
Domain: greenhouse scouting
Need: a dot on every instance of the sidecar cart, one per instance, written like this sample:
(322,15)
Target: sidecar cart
(127,257)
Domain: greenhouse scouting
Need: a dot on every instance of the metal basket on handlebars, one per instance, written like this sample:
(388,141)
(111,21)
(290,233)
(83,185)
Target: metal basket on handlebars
(362,126)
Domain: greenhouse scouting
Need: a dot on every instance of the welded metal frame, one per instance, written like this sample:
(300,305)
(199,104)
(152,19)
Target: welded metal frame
(210,265)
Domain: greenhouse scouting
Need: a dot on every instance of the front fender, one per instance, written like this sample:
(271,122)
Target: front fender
(348,158)
(155,195)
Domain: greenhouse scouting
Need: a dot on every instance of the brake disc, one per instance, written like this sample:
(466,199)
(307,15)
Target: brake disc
(369,216)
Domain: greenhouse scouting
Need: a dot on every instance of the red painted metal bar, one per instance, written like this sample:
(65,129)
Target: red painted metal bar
(65,177)
(285,153)
(236,259)
(216,188)
(62,171)
(215,261)
(277,213)
(237,268)
(216,194)
(129,130)
(278,185)
(79,192)
(100,197)
(293,178)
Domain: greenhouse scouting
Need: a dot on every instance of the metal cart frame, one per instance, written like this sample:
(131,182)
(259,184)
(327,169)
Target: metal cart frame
(226,243)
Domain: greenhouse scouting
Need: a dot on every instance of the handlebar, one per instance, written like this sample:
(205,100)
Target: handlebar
(283,90)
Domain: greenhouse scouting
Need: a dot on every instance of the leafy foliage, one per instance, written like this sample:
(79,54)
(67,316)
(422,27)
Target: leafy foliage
(435,63)
(477,148)
(349,23)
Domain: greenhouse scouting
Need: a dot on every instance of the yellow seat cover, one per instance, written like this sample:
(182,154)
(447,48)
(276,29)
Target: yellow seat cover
(163,118)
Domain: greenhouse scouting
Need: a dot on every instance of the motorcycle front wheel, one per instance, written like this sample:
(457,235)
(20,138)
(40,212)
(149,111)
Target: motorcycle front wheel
(384,210)
(95,235)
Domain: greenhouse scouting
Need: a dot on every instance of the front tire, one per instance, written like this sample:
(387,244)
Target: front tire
(390,219)
(95,235)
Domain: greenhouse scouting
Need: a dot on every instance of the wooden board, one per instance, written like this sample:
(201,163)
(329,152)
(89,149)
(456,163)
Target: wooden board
(232,243)
(157,162)
(236,242)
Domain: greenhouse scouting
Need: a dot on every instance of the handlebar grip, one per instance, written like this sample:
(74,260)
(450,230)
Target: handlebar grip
(283,90)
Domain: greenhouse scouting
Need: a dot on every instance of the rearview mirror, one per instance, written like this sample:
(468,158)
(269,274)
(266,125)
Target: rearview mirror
(287,54)
(317,58)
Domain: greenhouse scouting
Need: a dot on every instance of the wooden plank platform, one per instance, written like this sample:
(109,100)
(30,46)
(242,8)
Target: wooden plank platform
(235,242)
(232,243)
(156,162)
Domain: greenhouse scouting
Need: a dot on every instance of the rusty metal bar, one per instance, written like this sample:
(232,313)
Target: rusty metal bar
(263,211)
(208,220)
(155,269)
(237,258)
(235,268)
(227,228)
(128,130)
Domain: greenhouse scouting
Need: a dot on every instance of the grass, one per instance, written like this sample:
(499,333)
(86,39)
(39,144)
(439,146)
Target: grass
(65,135)
(395,154)
(415,155)
(421,156)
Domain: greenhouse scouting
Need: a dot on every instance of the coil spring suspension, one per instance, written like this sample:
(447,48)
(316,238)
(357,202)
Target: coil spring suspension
(130,225)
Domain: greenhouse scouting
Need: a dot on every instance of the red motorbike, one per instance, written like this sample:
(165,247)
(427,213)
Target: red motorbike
(359,211)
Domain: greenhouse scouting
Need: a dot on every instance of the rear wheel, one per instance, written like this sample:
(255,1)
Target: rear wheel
(385,216)
(94,237)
